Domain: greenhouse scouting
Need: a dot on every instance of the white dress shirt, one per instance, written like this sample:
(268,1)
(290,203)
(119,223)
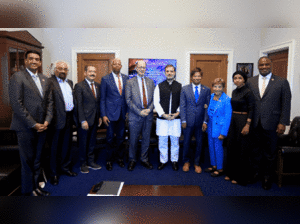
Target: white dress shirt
(91,86)
(117,80)
(261,80)
(194,89)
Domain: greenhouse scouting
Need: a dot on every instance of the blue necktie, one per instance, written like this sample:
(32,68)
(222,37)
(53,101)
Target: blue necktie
(196,93)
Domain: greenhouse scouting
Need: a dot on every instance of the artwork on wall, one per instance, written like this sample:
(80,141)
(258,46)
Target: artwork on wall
(155,68)
(246,68)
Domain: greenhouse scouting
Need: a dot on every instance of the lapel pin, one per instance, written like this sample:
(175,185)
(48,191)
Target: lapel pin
(205,106)
(43,80)
(272,79)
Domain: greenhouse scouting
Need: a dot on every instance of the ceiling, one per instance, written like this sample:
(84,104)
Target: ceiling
(150,14)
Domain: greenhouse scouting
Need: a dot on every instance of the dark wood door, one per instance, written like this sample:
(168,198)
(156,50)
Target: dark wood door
(213,66)
(102,62)
(280,63)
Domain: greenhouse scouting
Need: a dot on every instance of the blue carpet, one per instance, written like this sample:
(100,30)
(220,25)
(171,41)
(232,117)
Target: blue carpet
(210,186)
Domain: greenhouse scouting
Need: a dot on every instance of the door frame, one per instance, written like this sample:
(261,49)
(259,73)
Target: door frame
(229,54)
(290,45)
(91,50)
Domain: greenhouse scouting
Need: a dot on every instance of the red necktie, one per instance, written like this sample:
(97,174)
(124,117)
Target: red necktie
(144,95)
(92,84)
(120,86)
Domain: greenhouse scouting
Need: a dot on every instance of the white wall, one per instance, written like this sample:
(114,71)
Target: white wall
(271,37)
(153,43)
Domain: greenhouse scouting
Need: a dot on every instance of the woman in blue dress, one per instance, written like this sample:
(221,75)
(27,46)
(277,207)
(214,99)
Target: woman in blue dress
(219,112)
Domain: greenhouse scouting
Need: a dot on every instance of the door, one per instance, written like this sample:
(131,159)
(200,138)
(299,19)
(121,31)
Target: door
(213,66)
(279,63)
(102,62)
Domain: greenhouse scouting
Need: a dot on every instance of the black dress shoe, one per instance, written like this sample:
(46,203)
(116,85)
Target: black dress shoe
(121,163)
(109,166)
(175,166)
(54,180)
(266,184)
(161,166)
(69,173)
(131,165)
(41,192)
(148,165)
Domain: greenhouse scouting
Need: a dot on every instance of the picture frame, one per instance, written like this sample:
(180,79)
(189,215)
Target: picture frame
(246,68)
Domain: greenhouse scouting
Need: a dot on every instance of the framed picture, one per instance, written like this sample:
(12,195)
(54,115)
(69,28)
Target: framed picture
(155,68)
(246,68)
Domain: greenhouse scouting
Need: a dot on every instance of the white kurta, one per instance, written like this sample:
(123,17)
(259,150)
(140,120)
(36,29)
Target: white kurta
(165,127)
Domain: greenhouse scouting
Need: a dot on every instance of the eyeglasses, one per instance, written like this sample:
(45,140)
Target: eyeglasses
(62,69)
(141,67)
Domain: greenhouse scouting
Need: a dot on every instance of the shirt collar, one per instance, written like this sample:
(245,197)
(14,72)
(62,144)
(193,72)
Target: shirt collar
(267,76)
(89,82)
(60,80)
(115,75)
(31,73)
(197,85)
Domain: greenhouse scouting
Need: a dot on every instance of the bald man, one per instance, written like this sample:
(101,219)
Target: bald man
(113,109)
(61,126)
(271,116)
(139,98)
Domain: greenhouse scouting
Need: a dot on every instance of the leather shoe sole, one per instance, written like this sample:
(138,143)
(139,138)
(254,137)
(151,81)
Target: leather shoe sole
(131,165)
(147,165)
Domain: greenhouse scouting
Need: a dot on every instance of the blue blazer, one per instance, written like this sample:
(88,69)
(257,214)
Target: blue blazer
(111,102)
(191,112)
(219,117)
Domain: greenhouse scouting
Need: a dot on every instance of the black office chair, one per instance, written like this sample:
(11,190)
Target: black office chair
(289,149)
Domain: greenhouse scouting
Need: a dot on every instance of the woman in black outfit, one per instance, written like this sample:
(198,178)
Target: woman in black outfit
(239,139)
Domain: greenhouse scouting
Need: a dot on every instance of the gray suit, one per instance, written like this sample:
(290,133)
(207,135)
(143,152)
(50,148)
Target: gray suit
(138,124)
(30,107)
(271,109)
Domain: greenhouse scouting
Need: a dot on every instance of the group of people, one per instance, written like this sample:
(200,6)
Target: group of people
(47,108)
(252,119)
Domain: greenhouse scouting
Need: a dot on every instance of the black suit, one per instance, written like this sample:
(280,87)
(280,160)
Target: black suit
(61,130)
(271,109)
(30,107)
(88,109)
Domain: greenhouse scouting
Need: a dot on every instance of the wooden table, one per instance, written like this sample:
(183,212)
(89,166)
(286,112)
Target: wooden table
(159,190)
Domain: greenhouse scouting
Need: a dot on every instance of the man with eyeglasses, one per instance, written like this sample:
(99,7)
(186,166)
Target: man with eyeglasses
(61,127)
(139,97)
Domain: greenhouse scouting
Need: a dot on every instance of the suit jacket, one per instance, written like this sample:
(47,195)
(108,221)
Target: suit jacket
(111,102)
(275,105)
(219,116)
(87,106)
(29,107)
(191,112)
(59,112)
(133,99)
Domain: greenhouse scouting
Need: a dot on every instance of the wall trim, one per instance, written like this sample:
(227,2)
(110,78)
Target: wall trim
(290,45)
(229,83)
(91,50)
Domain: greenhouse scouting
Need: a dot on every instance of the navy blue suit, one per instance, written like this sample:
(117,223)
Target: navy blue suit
(194,114)
(88,109)
(113,105)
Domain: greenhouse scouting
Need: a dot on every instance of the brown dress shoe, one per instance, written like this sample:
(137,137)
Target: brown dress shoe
(198,169)
(186,167)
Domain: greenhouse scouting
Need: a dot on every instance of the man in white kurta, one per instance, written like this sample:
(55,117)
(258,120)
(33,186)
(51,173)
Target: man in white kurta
(166,103)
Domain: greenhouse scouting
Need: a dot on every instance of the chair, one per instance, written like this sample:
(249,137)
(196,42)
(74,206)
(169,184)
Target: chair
(288,148)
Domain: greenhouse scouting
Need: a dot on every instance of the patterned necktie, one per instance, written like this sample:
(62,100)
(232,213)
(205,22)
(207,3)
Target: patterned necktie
(144,95)
(263,88)
(38,84)
(92,84)
(196,93)
(120,86)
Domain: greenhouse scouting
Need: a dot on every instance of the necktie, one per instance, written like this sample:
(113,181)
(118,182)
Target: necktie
(263,88)
(120,86)
(92,84)
(144,95)
(38,84)
(196,94)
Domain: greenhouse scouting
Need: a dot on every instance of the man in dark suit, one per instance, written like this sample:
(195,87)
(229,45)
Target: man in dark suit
(61,126)
(87,95)
(194,100)
(31,101)
(113,109)
(271,115)
(139,97)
